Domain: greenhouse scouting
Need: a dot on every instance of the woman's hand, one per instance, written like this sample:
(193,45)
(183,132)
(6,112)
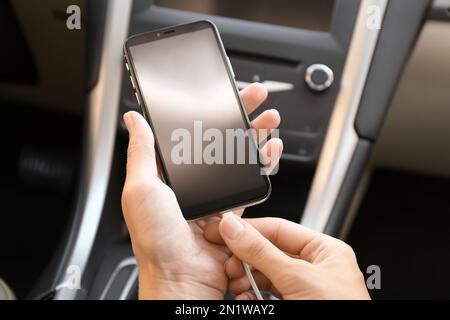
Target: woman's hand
(289,260)
(174,259)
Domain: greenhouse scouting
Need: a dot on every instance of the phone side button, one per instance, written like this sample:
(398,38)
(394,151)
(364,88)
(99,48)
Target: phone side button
(137,98)
(132,83)
(126,66)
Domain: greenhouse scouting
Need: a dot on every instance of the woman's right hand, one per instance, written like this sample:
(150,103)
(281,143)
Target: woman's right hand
(289,260)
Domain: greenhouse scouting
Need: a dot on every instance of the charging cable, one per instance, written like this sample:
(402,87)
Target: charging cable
(249,274)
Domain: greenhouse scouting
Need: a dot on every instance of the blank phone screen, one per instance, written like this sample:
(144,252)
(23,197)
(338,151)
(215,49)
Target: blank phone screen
(190,100)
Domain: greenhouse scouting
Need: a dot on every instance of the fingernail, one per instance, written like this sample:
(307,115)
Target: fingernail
(232,227)
(128,119)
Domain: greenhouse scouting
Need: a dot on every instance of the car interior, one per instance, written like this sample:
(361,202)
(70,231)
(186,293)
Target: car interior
(364,111)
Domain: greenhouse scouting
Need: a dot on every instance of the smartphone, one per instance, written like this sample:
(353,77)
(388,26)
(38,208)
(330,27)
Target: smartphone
(186,89)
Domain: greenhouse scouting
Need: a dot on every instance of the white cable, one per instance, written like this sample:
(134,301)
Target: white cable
(249,274)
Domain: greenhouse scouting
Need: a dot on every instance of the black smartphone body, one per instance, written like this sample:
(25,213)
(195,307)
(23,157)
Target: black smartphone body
(186,89)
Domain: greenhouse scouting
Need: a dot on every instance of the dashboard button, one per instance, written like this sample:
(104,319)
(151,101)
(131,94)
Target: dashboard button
(319,77)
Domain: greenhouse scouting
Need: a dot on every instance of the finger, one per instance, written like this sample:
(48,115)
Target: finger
(141,162)
(201,223)
(265,123)
(211,227)
(252,247)
(241,285)
(290,237)
(239,212)
(233,268)
(212,234)
(271,154)
(245,296)
(252,96)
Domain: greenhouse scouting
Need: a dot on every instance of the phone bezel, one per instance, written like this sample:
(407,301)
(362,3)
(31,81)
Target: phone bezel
(175,31)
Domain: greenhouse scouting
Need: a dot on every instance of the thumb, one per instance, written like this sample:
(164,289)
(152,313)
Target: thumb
(250,246)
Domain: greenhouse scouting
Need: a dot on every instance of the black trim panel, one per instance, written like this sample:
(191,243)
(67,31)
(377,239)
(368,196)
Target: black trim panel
(402,23)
